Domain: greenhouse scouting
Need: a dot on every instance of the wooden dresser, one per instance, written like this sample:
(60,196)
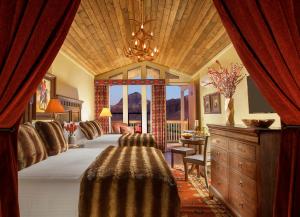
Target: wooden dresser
(243,168)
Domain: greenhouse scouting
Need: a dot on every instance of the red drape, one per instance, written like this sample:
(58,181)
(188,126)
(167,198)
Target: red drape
(159,115)
(101,101)
(266,35)
(32,33)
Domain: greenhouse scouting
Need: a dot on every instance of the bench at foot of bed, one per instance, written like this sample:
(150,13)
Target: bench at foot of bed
(129,182)
(137,139)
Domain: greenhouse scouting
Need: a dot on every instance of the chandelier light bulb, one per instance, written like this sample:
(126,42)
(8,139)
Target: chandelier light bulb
(152,54)
(155,49)
(142,26)
(151,33)
(132,34)
(144,46)
(136,42)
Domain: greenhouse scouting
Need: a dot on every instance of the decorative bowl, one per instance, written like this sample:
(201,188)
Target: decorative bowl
(265,123)
(187,135)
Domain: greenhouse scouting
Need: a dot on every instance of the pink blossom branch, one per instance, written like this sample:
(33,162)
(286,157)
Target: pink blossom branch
(224,80)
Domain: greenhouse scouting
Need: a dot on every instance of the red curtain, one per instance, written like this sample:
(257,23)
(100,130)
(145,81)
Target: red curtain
(32,33)
(101,101)
(266,35)
(159,115)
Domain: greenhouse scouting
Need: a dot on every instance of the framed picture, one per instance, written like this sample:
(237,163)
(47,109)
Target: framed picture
(206,100)
(45,91)
(215,104)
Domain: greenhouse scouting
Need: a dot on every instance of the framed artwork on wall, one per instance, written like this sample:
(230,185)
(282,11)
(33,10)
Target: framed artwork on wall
(215,104)
(45,91)
(206,100)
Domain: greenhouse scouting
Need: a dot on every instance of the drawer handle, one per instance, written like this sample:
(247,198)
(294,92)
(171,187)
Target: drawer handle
(241,183)
(240,164)
(241,205)
(218,153)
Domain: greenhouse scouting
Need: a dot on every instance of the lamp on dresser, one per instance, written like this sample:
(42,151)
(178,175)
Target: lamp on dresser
(106,113)
(54,106)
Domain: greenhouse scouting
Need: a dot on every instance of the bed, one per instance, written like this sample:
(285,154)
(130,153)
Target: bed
(51,187)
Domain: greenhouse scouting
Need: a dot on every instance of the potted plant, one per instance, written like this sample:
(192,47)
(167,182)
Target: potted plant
(71,128)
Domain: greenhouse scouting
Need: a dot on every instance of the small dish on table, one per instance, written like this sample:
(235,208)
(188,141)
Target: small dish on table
(73,146)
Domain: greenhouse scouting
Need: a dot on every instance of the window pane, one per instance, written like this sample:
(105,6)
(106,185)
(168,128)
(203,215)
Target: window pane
(152,73)
(116,103)
(135,106)
(186,104)
(119,76)
(173,102)
(135,73)
(149,98)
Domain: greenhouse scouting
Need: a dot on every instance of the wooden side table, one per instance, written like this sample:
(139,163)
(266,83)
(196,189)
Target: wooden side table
(198,142)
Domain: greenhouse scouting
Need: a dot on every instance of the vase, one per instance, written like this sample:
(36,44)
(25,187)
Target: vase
(229,111)
(71,139)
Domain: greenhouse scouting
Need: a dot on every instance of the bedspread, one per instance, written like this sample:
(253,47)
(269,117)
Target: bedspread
(129,182)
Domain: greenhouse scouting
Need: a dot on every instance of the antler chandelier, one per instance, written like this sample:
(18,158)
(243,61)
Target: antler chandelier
(139,46)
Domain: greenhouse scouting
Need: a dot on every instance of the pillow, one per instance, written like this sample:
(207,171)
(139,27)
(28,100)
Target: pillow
(116,127)
(89,130)
(53,136)
(31,148)
(98,127)
(126,129)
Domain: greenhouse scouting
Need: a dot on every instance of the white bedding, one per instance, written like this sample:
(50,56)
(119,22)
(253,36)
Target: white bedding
(51,188)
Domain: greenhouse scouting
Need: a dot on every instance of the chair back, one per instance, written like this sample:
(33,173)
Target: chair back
(205,149)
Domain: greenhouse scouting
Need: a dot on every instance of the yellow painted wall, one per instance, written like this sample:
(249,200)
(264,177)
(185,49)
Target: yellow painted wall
(74,81)
(227,57)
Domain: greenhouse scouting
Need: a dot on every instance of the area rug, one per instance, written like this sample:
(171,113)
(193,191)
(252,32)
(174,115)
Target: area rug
(195,200)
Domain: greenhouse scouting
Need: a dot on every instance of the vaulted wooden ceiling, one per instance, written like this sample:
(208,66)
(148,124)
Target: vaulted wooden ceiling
(188,33)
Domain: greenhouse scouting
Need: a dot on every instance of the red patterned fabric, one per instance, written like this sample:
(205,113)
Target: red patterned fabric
(159,115)
(101,101)
(32,33)
(266,35)
(131,82)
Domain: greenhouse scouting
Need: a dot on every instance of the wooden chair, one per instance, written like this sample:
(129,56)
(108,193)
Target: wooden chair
(183,151)
(198,160)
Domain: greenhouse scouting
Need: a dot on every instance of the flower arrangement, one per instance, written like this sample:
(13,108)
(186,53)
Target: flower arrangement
(70,128)
(224,80)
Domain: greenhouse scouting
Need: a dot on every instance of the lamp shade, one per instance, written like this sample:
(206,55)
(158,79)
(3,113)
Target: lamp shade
(54,106)
(105,112)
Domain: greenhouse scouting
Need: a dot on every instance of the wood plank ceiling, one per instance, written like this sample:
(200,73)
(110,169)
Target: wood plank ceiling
(188,33)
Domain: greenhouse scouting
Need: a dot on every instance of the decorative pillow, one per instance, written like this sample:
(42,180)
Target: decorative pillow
(53,136)
(31,148)
(98,127)
(89,130)
(116,127)
(126,129)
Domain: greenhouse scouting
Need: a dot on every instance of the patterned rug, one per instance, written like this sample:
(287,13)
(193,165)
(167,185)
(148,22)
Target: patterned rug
(195,200)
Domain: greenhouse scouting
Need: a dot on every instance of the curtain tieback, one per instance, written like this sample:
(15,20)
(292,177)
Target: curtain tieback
(12,129)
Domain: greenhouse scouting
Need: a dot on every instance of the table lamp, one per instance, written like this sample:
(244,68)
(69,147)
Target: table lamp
(54,106)
(106,113)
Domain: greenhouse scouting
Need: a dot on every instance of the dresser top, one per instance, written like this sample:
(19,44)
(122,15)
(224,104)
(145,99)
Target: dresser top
(241,128)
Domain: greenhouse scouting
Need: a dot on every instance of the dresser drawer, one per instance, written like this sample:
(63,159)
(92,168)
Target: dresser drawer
(242,184)
(241,204)
(219,141)
(220,171)
(219,155)
(242,165)
(220,184)
(244,150)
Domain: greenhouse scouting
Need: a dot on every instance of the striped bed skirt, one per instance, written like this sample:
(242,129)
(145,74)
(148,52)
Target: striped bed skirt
(137,139)
(129,182)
